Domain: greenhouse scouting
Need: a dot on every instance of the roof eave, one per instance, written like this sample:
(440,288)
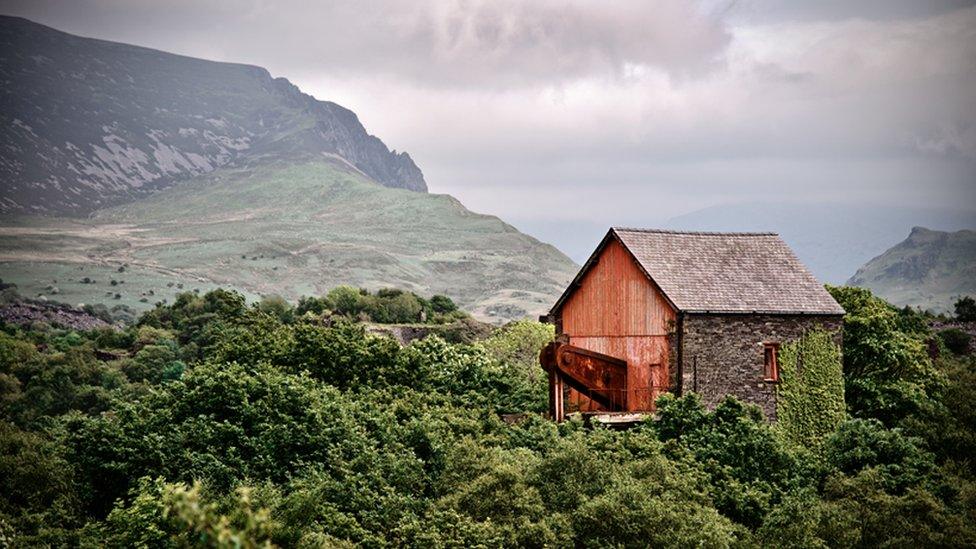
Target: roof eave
(612,233)
(763,312)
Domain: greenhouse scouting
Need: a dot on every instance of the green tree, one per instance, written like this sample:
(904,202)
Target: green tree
(165,514)
(442,304)
(957,341)
(313,305)
(861,444)
(750,467)
(888,374)
(276,306)
(966,309)
(346,300)
(39,495)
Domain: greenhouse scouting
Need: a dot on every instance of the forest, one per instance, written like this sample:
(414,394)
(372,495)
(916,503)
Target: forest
(209,422)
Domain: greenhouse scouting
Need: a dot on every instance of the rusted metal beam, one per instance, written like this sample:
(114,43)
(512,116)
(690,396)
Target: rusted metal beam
(599,377)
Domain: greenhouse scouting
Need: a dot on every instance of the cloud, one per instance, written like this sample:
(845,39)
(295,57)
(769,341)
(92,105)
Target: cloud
(587,114)
(495,44)
(949,140)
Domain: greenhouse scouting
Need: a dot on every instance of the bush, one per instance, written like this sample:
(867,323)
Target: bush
(313,305)
(392,306)
(956,340)
(966,309)
(631,515)
(442,304)
(37,485)
(163,514)
(749,466)
(276,306)
(861,444)
(346,300)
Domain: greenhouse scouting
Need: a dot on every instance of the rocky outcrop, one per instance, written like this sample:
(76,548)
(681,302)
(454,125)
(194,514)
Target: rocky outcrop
(461,331)
(88,123)
(23,313)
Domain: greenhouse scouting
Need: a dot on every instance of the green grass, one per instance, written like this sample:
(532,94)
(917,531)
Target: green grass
(292,229)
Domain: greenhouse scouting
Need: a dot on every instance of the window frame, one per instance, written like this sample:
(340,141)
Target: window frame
(771,367)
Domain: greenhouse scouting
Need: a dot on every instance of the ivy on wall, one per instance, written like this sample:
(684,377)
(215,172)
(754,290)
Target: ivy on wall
(810,395)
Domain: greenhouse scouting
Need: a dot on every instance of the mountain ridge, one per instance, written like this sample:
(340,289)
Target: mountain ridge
(116,122)
(929,269)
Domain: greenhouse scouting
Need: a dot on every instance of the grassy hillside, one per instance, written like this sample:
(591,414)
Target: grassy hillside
(930,269)
(290,229)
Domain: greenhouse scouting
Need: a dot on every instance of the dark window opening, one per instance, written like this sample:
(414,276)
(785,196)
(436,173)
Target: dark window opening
(771,361)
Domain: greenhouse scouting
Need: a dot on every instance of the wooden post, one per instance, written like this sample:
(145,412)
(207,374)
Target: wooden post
(559,409)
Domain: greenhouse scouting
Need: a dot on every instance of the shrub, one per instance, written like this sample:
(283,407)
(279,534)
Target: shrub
(956,340)
(165,514)
(346,300)
(442,304)
(313,305)
(343,438)
(276,306)
(630,514)
(966,309)
(861,444)
(749,466)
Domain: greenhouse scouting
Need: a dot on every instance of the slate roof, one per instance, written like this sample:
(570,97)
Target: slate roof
(705,272)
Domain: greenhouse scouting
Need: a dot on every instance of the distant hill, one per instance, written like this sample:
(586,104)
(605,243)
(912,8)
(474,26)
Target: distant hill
(833,240)
(288,228)
(87,123)
(930,269)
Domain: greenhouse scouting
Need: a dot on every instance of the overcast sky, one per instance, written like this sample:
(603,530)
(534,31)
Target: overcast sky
(563,116)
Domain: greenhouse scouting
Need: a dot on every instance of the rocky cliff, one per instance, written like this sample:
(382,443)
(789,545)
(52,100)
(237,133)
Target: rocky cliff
(87,123)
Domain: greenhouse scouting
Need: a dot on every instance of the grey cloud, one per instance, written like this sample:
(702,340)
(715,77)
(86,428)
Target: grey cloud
(455,43)
(575,116)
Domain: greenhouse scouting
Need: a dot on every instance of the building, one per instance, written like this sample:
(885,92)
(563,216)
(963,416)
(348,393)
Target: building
(653,311)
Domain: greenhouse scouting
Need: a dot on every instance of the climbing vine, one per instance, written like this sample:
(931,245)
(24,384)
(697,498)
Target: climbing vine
(810,396)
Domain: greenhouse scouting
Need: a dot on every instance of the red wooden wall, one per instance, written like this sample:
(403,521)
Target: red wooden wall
(617,311)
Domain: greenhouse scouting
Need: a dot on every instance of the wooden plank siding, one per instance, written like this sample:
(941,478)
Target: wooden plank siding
(617,311)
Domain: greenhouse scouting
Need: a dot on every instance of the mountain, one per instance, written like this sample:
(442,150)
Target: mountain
(88,123)
(284,227)
(833,240)
(930,269)
(130,175)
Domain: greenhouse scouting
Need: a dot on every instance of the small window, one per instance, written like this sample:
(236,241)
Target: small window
(771,361)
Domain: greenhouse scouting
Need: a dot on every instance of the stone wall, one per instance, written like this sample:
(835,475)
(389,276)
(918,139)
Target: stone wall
(723,354)
(467,330)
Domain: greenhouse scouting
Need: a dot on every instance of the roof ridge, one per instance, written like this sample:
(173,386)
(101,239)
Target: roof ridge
(695,233)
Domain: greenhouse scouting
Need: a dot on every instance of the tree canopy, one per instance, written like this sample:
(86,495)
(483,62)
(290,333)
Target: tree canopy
(211,423)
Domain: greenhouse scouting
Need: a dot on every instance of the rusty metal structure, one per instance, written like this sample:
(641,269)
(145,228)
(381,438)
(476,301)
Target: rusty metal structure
(601,378)
(653,311)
